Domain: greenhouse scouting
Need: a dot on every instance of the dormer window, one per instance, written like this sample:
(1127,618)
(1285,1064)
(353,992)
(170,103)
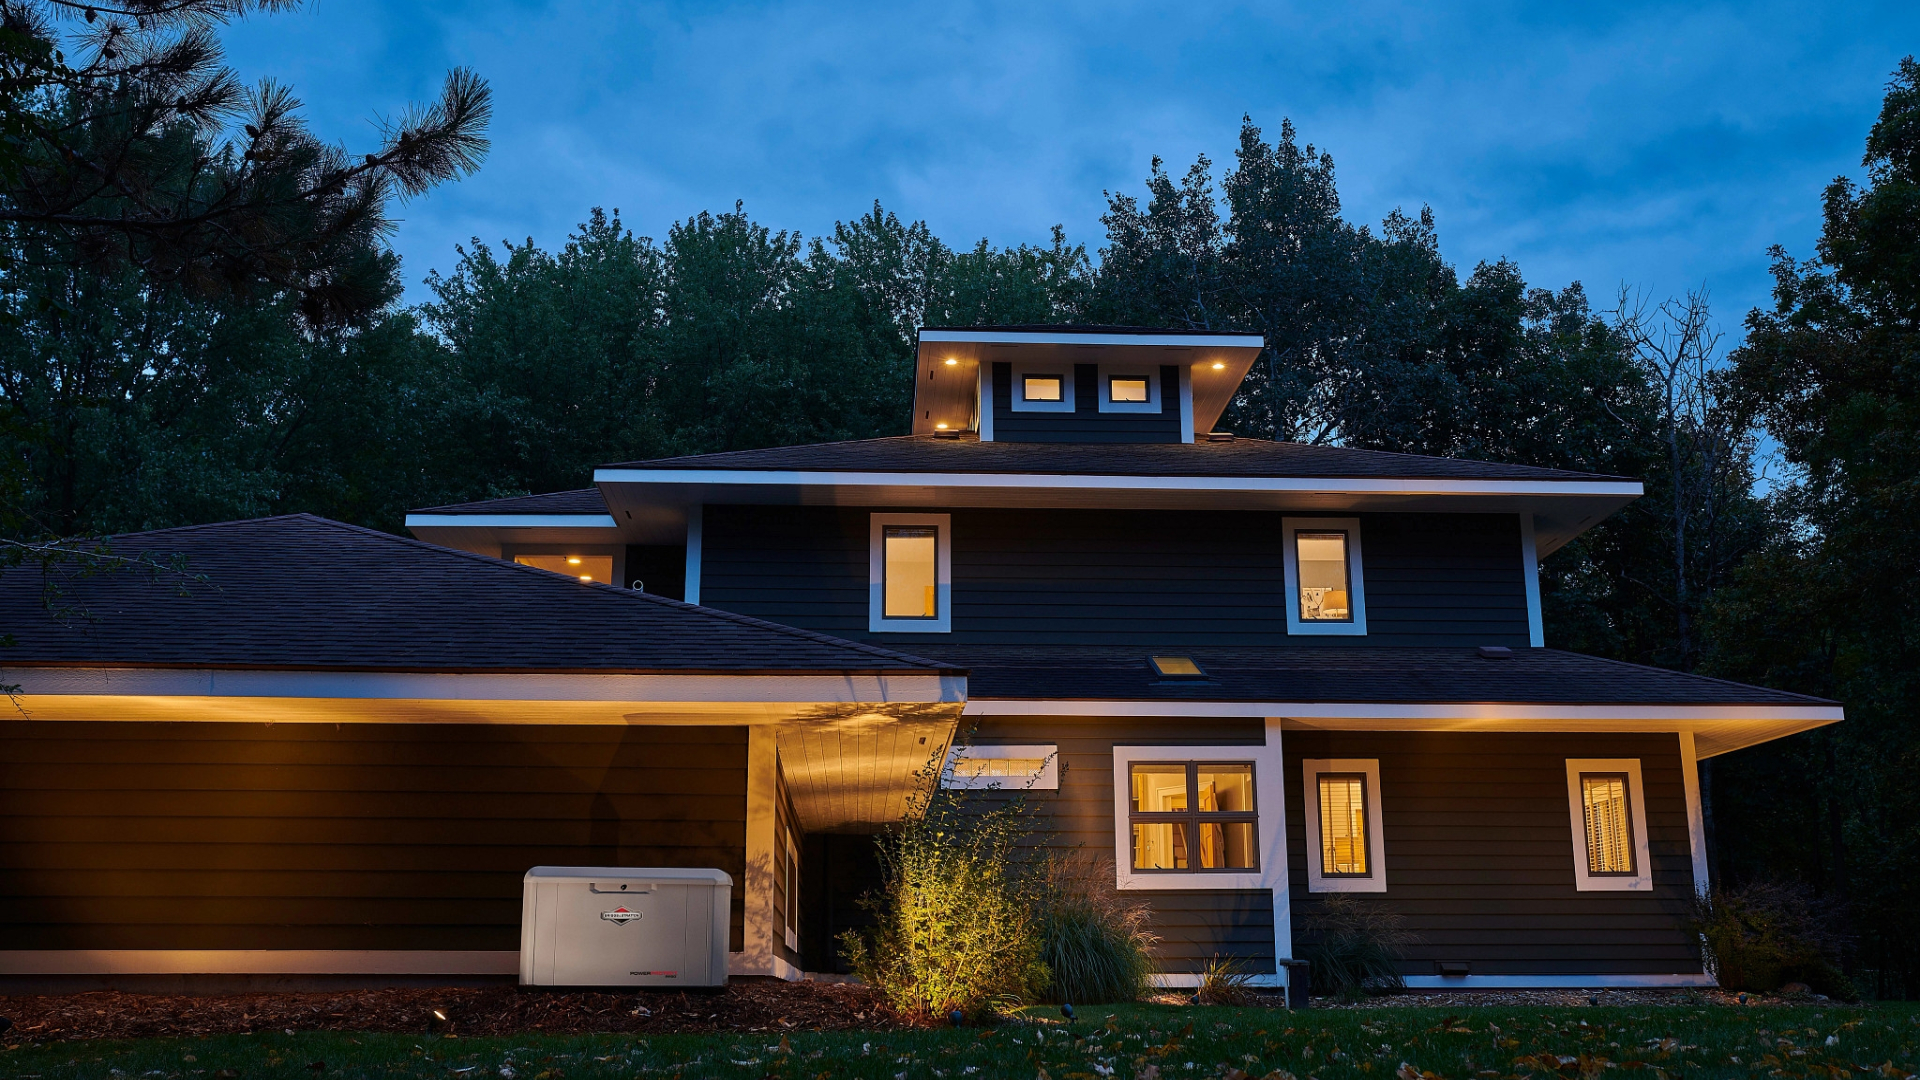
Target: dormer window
(1326,591)
(1051,388)
(1127,389)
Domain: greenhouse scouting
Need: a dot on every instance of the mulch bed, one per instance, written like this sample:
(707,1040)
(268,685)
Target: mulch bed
(754,1006)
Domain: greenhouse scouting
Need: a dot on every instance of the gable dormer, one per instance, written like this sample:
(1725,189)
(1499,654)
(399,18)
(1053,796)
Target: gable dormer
(1091,384)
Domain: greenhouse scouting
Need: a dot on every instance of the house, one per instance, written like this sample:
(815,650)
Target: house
(1252,674)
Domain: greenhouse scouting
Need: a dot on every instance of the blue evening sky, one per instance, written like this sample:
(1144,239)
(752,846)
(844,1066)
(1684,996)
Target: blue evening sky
(1660,145)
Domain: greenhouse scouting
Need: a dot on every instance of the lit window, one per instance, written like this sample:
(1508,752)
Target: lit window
(1043,388)
(1014,768)
(910,575)
(582,567)
(912,583)
(1603,804)
(1343,824)
(1324,595)
(1127,389)
(1190,816)
(1607,809)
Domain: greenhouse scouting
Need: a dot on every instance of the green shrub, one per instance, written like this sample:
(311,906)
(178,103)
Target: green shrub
(956,924)
(1762,936)
(1094,941)
(1355,946)
(1223,983)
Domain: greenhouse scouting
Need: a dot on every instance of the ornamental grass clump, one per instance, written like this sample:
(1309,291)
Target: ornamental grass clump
(1767,934)
(1095,942)
(956,923)
(1355,946)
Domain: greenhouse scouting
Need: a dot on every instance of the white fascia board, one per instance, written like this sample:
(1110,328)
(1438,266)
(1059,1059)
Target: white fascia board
(511,521)
(1058,482)
(904,687)
(1362,712)
(1043,337)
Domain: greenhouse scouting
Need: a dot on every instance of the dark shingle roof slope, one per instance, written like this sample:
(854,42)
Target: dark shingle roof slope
(1341,674)
(305,592)
(584,501)
(1239,458)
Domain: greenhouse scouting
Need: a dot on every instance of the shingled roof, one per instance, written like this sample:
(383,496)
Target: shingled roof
(1341,674)
(1238,458)
(308,593)
(585,502)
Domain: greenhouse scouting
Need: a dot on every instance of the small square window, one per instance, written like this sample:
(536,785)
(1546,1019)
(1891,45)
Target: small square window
(1043,388)
(1127,388)
(1010,768)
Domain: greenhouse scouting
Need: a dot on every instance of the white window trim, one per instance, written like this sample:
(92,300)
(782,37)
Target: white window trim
(1317,882)
(878,623)
(1149,373)
(1048,778)
(1269,797)
(1356,575)
(1642,878)
(1017,401)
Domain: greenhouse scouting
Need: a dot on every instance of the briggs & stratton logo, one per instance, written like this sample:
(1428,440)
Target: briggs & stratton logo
(620,916)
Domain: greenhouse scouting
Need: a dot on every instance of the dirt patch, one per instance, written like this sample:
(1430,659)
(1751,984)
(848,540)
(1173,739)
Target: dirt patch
(753,1006)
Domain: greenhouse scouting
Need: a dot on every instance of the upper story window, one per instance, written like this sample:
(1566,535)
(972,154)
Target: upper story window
(910,579)
(1193,815)
(1043,388)
(1606,807)
(1129,389)
(584,567)
(1342,798)
(1326,592)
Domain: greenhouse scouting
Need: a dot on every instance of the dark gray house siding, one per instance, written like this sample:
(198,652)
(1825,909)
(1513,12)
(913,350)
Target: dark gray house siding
(1479,852)
(367,836)
(1121,577)
(1086,423)
(1077,821)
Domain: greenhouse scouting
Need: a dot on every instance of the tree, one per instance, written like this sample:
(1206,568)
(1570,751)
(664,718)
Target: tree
(131,146)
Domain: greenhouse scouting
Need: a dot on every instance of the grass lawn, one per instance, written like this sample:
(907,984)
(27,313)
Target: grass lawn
(1666,1042)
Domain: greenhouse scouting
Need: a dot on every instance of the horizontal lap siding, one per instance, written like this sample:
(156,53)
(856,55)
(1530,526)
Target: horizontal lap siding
(1479,852)
(304,836)
(1086,423)
(1115,577)
(1194,925)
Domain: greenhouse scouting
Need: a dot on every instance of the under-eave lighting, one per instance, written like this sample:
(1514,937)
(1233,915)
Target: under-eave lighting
(1218,366)
(952,362)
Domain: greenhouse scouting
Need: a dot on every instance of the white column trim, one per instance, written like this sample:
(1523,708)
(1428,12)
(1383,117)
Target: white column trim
(1282,891)
(1696,817)
(984,402)
(757,957)
(1186,404)
(1530,566)
(696,529)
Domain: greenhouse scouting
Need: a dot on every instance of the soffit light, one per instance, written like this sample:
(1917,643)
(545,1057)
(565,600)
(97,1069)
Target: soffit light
(951,362)
(1218,366)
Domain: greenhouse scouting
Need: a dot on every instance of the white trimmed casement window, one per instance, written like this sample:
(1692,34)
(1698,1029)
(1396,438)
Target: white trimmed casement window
(1042,387)
(910,579)
(1607,810)
(1129,389)
(1326,589)
(1341,797)
(1197,817)
(1010,768)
